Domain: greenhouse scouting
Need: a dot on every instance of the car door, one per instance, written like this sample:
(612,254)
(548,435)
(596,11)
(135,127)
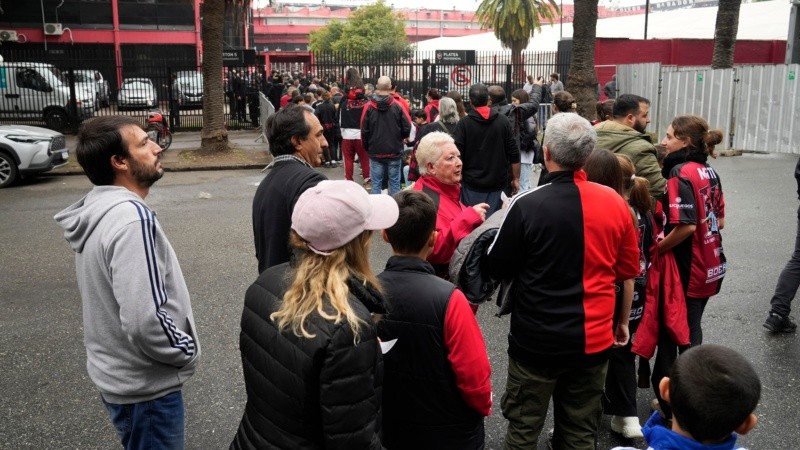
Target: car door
(9,92)
(31,92)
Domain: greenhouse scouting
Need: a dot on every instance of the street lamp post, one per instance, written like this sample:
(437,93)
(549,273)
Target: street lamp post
(561,18)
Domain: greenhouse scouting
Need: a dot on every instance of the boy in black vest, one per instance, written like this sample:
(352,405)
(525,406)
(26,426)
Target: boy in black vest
(437,386)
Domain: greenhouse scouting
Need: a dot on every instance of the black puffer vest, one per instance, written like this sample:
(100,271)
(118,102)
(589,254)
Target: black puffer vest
(422,406)
(308,393)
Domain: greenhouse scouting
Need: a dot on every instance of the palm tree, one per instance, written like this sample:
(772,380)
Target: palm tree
(725,34)
(214,136)
(514,22)
(582,80)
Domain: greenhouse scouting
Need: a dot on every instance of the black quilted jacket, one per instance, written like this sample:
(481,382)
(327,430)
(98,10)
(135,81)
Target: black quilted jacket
(318,393)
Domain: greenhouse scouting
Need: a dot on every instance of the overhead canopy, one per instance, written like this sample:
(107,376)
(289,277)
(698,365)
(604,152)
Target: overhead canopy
(757,21)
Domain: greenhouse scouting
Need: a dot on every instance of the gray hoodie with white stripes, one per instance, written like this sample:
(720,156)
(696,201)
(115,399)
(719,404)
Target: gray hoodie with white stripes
(139,329)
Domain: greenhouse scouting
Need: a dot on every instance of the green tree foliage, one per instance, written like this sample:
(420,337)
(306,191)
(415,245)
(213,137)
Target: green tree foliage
(514,22)
(322,40)
(371,28)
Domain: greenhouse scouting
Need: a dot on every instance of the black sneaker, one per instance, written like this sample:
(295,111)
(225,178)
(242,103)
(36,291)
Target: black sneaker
(779,324)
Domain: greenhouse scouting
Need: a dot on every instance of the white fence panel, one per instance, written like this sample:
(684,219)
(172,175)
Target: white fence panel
(642,80)
(767,109)
(703,92)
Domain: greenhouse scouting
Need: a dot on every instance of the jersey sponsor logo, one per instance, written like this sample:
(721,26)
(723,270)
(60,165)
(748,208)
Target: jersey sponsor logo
(706,173)
(681,206)
(636,313)
(716,273)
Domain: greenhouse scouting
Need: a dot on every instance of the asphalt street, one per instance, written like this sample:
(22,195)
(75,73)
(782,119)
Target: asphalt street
(48,402)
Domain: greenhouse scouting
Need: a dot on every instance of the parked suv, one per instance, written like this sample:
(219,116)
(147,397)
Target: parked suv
(27,150)
(36,91)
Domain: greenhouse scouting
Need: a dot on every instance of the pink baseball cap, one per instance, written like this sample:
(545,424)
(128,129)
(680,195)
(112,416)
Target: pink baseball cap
(334,212)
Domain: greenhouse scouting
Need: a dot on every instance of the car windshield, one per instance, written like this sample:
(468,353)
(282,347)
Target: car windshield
(83,76)
(52,76)
(136,85)
(192,82)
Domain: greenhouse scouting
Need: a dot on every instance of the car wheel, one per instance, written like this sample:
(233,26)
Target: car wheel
(8,170)
(56,119)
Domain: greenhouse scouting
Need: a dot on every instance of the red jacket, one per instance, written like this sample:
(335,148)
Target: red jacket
(429,110)
(454,220)
(663,286)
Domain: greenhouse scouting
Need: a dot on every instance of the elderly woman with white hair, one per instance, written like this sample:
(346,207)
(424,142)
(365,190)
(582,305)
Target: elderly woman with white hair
(440,177)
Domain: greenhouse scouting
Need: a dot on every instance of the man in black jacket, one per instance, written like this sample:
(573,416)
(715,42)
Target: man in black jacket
(563,246)
(384,126)
(486,141)
(296,140)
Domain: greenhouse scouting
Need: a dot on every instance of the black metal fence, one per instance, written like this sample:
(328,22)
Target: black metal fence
(63,86)
(415,72)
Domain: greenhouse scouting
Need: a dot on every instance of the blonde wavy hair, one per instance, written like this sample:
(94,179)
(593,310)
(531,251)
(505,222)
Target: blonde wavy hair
(317,278)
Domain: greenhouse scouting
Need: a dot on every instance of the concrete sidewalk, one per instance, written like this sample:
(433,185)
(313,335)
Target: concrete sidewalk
(249,153)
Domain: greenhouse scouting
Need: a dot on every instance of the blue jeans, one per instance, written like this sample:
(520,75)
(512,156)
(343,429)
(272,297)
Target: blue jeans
(472,198)
(156,424)
(525,177)
(789,279)
(377,166)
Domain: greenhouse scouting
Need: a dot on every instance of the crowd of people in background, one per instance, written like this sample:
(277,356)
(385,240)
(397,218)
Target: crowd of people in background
(607,267)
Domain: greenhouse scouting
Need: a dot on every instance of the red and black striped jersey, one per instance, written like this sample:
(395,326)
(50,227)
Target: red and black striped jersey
(694,196)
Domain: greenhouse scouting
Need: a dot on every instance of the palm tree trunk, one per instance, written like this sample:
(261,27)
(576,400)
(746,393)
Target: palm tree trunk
(725,34)
(582,81)
(517,75)
(214,136)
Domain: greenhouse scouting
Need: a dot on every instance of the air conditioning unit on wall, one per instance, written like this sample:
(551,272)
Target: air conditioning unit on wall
(53,29)
(8,36)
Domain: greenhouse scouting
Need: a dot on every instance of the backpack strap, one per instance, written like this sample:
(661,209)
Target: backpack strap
(433,195)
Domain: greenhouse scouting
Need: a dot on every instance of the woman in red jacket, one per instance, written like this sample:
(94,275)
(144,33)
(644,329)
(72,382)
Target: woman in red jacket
(440,177)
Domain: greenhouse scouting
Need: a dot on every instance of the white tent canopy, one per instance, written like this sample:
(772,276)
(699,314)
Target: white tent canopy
(757,21)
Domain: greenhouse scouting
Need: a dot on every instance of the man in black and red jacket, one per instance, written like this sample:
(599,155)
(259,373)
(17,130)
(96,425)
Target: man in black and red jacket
(563,245)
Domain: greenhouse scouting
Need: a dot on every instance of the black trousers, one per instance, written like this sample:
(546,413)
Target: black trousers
(620,396)
(174,114)
(668,351)
(789,280)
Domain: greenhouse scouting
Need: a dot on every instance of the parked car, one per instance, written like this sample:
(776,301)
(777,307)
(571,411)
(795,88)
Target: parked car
(192,87)
(93,80)
(137,93)
(27,150)
(36,91)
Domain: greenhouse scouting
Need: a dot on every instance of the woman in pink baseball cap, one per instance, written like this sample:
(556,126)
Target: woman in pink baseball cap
(310,353)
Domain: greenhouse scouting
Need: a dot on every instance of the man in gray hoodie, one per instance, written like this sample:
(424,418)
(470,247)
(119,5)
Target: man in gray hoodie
(139,331)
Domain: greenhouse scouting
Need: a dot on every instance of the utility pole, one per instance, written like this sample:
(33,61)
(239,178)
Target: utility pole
(793,39)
